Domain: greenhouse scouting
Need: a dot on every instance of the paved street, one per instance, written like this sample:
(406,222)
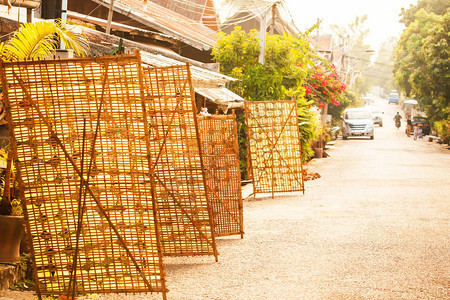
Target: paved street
(374,226)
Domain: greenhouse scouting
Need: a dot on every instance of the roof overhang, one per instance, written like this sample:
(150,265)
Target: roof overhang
(223,97)
(148,18)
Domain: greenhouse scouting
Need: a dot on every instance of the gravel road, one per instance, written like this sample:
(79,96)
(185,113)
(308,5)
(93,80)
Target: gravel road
(374,226)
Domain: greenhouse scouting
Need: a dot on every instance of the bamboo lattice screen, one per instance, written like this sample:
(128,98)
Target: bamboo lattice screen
(81,143)
(220,152)
(184,213)
(274,146)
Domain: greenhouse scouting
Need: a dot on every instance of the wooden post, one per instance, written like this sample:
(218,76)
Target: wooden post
(272,29)
(110,15)
(29,15)
(262,38)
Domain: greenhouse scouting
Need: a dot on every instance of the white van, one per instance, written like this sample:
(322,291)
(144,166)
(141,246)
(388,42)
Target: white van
(357,122)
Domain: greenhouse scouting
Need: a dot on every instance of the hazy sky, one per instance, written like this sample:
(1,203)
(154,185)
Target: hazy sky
(383,15)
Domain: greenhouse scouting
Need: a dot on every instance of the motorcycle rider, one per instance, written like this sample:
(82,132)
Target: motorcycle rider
(397,119)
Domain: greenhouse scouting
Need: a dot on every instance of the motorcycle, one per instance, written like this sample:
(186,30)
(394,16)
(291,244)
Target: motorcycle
(397,124)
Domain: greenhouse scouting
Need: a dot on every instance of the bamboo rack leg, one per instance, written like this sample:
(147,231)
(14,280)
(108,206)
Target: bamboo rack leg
(274,145)
(80,213)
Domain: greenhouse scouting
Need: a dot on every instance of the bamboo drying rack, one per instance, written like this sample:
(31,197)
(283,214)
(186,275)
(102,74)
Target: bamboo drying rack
(220,151)
(274,148)
(81,142)
(184,212)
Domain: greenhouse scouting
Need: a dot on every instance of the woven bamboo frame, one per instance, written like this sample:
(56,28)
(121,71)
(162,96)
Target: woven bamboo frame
(274,146)
(80,139)
(220,151)
(184,212)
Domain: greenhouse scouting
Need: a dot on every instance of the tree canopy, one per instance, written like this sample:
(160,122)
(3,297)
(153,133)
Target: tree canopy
(438,7)
(281,75)
(422,62)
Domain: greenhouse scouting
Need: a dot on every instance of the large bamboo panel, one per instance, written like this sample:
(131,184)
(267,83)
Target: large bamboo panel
(220,151)
(274,146)
(184,212)
(81,143)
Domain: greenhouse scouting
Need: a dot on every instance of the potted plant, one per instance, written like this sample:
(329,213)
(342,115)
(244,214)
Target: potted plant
(31,41)
(11,219)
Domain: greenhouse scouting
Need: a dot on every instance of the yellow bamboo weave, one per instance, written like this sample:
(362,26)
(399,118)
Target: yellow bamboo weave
(274,146)
(220,152)
(84,117)
(184,213)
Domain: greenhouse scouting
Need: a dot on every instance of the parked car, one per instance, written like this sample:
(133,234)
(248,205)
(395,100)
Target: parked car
(377,114)
(357,122)
(423,123)
(393,98)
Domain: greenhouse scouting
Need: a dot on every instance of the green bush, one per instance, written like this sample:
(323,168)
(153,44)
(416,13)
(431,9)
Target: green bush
(443,130)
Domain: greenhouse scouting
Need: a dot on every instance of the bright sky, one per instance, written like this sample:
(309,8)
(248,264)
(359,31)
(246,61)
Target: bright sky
(382,22)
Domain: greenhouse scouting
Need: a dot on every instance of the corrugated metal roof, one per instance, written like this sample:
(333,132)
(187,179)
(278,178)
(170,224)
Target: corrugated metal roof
(166,21)
(154,56)
(222,96)
(201,78)
(114,25)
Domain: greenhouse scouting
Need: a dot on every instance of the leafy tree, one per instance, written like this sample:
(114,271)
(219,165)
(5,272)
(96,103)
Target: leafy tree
(407,53)
(438,7)
(280,76)
(431,80)
(422,61)
(354,32)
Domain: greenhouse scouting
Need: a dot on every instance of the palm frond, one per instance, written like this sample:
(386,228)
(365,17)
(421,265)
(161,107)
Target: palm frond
(38,40)
(71,39)
(32,41)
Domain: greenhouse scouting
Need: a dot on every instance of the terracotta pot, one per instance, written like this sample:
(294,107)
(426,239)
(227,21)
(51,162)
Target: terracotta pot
(12,229)
(318,152)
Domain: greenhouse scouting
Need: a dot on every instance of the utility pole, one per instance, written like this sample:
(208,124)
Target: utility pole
(262,33)
(262,38)
(272,28)
(63,18)
(110,15)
